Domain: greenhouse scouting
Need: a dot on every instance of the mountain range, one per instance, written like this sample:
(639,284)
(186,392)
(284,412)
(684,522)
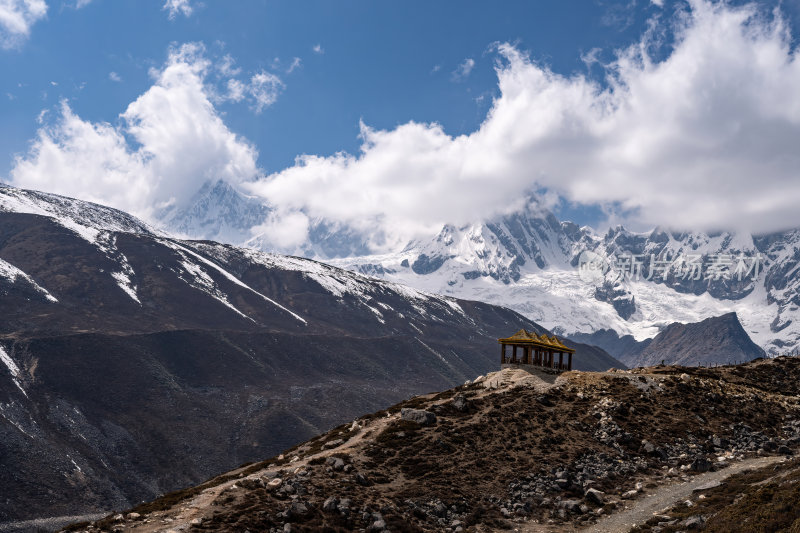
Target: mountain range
(531,262)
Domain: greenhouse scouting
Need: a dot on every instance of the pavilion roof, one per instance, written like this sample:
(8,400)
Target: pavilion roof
(529,338)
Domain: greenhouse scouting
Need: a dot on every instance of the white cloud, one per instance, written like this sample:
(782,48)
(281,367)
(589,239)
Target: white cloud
(464,69)
(703,139)
(659,3)
(317,48)
(82,3)
(264,89)
(295,64)
(176,7)
(236,90)
(16,19)
(113,76)
(168,142)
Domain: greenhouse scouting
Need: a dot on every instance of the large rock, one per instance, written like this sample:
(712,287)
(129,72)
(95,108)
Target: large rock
(420,416)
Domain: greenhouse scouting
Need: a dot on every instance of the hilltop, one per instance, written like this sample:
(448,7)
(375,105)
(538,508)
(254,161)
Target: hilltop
(534,451)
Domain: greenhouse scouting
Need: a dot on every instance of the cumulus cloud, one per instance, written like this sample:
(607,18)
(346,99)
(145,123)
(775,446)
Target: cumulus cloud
(317,48)
(113,76)
(167,143)
(176,7)
(464,69)
(703,138)
(16,19)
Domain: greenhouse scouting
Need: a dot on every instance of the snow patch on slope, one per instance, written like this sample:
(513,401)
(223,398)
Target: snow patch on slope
(12,368)
(12,274)
(230,277)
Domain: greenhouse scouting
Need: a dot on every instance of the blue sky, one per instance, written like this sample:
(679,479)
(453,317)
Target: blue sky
(333,65)
(383,62)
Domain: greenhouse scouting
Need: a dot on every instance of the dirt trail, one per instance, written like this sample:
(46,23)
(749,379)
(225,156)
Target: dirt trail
(642,509)
(45,524)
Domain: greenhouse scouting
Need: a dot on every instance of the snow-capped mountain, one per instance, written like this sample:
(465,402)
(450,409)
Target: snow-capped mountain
(531,262)
(222,212)
(218,211)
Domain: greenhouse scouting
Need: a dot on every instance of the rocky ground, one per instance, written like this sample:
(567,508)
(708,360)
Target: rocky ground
(510,450)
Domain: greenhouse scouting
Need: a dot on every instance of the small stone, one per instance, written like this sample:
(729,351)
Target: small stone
(785,450)
(630,494)
(133,516)
(693,522)
(118,518)
(344,505)
(330,504)
(596,496)
(298,509)
(685,377)
(701,464)
(276,482)
(377,525)
(196,521)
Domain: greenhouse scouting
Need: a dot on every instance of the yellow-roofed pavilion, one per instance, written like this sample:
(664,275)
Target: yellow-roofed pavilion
(538,350)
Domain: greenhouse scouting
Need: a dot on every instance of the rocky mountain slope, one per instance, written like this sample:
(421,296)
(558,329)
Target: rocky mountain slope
(535,452)
(716,340)
(134,363)
(713,341)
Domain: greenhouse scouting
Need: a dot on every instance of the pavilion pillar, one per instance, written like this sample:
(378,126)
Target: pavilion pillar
(561,360)
(570,362)
(502,353)
(514,353)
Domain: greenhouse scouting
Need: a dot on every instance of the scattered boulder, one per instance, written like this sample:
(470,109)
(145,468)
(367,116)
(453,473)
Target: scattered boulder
(460,403)
(330,505)
(693,522)
(333,443)
(298,509)
(785,450)
(701,464)
(420,416)
(595,496)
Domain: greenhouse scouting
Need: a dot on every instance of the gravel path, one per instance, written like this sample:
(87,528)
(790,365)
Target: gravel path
(46,524)
(664,497)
